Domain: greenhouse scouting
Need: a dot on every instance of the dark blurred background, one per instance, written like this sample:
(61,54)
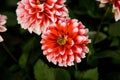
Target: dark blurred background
(21,56)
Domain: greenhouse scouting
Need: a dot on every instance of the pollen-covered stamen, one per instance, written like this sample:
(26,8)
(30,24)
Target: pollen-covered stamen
(40,1)
(62,40)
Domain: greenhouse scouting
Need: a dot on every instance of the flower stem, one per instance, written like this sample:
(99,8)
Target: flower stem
(12,56)
(100,25)
(76,68)
(8,51)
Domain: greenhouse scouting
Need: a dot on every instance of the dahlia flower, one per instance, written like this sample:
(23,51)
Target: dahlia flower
(2,27)
(64,43)
(103,2)
(115,9)
(37,15)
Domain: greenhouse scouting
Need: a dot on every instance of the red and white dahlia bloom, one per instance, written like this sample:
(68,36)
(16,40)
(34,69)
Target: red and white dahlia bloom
(2,23)
(64,43)
(115,9)
(37,15)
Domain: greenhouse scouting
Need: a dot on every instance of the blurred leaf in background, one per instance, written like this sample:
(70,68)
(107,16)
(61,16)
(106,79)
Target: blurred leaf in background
(101,63)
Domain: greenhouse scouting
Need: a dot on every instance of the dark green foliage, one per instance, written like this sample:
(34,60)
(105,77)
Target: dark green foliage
(101,63)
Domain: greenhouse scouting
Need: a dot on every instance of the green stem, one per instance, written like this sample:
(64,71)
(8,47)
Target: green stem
(76,68)
(8,51)
(12,56)
(100,25)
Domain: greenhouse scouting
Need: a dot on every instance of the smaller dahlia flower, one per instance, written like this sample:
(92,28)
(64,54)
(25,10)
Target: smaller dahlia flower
(115,9)
(2,23)
(64,43)
(103,2)
(37,15)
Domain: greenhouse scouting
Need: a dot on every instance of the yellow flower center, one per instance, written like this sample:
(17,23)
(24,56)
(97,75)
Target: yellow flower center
(40,1)
(62,40)
(115,12)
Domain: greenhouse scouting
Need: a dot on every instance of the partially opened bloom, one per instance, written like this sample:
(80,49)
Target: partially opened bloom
(36,15)
(64,43)
(115,9)
(2,25)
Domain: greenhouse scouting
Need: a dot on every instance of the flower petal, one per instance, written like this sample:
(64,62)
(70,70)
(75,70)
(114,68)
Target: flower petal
(2,29)
(1,39)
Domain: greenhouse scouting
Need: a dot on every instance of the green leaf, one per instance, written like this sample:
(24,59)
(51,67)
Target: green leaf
(113,55)
(91,74)
(42,71)
(100,37)
(115,42)
(23,60)
(78,75)
(114,29)
(61,73)
(108,54)
(25,52)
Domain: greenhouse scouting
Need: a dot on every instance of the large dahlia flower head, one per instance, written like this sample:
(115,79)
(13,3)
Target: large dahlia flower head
(64,43)
(37,15)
